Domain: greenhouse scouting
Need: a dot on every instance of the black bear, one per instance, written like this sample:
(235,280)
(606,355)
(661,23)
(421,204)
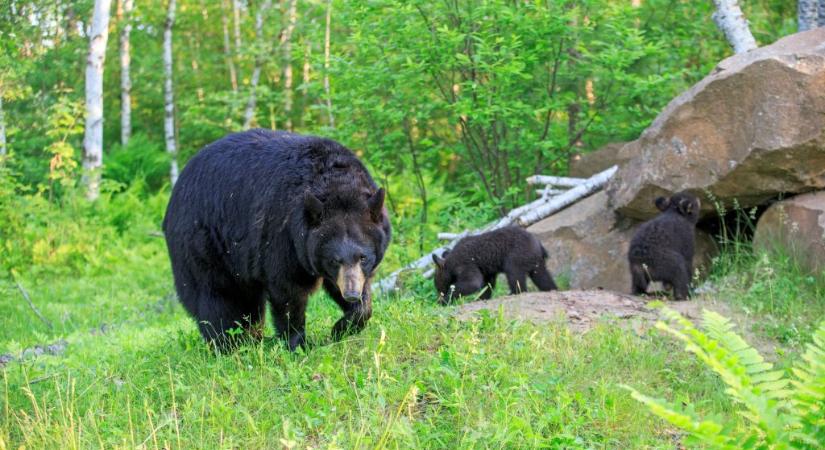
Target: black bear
(263,215)
(662,248)
(475,262)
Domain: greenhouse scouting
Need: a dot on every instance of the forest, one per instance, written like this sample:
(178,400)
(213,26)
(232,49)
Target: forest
(451,105)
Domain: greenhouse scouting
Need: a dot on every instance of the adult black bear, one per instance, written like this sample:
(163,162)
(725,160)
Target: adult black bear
(264,215)
(475,262)
(662,248)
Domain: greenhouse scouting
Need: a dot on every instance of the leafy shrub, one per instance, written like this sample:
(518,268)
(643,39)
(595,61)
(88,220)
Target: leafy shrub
(780,412)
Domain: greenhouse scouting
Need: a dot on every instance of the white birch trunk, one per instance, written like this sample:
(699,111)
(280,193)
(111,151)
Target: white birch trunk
(93,137)
(287,43)
(730,19)
(168,93)
(326,65)
(125,75)
(807,14)
(249,113)
(236,18)
(3,149)
(227,49)
(821,20)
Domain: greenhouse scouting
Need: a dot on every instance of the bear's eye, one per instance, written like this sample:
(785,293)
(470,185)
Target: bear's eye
(363,258)
(338,260)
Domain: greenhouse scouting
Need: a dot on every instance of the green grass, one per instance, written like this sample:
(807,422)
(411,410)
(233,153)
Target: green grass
(136,374)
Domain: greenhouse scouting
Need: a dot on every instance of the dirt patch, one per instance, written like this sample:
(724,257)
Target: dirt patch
(582,310)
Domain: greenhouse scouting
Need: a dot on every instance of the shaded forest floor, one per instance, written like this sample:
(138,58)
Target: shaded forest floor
(129,369)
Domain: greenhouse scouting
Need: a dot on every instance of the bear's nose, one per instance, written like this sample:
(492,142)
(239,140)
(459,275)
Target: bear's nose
(352,296)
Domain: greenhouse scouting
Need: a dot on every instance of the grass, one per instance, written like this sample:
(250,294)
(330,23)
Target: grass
(135,373)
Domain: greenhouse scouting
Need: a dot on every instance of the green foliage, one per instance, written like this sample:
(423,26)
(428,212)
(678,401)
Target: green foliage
(780,412)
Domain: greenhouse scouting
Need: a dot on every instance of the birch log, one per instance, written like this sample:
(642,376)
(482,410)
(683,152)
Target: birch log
(821,19)
(326,65)
(555,181)
(524,216)
(730,19)
(93,135)
(249,113)
(125,76)
(168,93)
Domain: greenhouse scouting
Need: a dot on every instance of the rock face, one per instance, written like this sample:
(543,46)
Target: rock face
(587,245)
(750,131)
(796,226)
(589,164)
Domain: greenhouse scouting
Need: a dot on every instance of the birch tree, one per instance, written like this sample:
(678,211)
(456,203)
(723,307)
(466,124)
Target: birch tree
(286,41)
(730,19)
(93,137)
(3,149)
(227,49)
(249,113)
(821,20)
(168,92)
(807,14)
(125,8)
(326,65)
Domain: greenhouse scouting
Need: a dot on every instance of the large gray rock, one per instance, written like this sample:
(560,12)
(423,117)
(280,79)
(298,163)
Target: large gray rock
(587,244)
(795,226)
(588,164)
(750,131)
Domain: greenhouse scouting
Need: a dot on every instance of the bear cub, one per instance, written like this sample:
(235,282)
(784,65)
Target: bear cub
(662,248)
(475,262)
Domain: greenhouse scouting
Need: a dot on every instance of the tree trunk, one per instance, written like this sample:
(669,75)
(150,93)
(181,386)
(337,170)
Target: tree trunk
(287,43)
(236,17)
(821,20)
(807,14)
(326,65)
(249,114)
(168,93)
(125,9)
(730,19)
(227,49)
(93,137)
(3,149)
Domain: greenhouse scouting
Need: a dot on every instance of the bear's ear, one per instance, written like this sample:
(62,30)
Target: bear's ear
(376,205)
(662,203)
(686,207)
(439,262)
(313,209)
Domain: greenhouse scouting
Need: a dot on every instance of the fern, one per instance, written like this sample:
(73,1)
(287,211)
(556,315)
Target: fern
(780,412)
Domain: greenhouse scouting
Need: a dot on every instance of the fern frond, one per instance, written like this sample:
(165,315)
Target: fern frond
(751,380)
(706,431)
(809,390)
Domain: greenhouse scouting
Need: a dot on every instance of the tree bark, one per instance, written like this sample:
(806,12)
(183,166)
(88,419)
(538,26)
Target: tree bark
(326,65)
(93,137)
(730,19)
(125,8)
(287,44)
(821,20)
(227,49)
(249,113)
(807,14)
(236,18)
(168,93)
(3,149)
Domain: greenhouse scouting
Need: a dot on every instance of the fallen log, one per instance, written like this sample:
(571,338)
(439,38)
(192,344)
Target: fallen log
(556,181)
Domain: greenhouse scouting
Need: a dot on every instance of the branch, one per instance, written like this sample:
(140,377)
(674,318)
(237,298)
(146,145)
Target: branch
(29,301)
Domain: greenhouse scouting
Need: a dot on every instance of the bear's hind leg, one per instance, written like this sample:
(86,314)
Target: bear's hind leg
(489,286)
(674,271)
(639,278)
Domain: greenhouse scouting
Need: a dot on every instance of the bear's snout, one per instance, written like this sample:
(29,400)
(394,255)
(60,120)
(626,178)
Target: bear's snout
(351,282)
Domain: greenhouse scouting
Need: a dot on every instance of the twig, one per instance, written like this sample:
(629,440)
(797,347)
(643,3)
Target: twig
(29,301)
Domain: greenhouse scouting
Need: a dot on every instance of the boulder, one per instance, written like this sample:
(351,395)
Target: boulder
(795,226)
(587,245)
(588,164)
(752,130)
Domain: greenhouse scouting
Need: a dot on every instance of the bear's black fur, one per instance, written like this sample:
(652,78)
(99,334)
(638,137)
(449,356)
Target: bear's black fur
(662,248)
(263,215)
(475,262)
